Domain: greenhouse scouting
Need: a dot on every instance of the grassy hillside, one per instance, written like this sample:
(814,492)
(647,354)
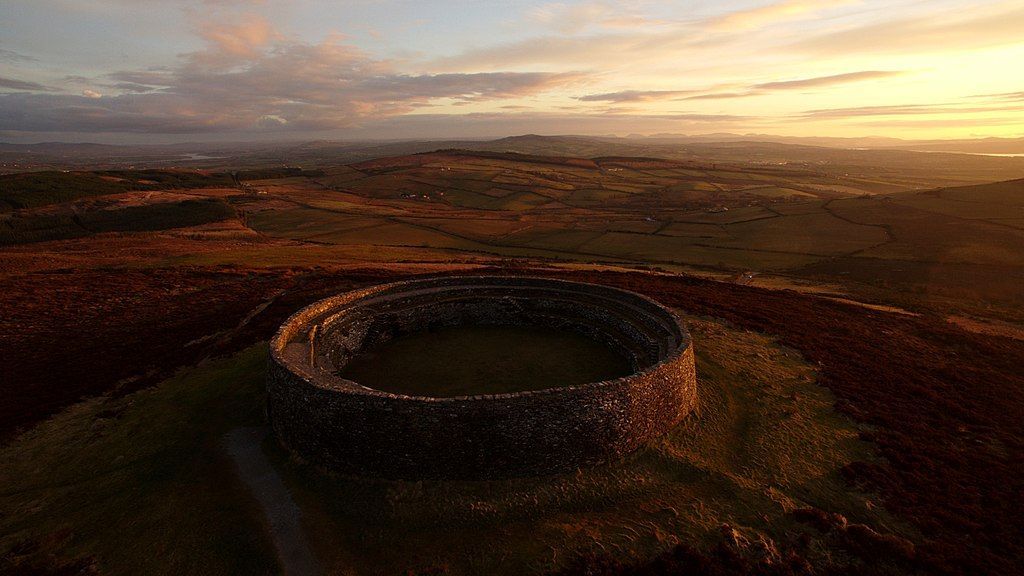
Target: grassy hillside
(830,437)
(954,248)
(21,229)
(148,465)
(132,463)
(34,189)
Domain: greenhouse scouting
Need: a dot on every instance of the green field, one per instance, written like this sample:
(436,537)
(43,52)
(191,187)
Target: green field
(912,248)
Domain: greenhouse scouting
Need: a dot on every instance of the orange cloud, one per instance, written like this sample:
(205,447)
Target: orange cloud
(243,38)
(775,13)
(247,79)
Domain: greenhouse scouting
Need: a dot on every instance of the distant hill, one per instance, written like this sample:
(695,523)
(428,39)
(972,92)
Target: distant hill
(915,164)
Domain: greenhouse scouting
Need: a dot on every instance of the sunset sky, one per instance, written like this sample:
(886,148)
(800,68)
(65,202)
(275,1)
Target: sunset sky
(162,70)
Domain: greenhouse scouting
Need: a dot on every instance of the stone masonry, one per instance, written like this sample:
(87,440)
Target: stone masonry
(346,427)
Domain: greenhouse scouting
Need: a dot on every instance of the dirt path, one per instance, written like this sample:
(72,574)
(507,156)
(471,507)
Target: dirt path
(284,518)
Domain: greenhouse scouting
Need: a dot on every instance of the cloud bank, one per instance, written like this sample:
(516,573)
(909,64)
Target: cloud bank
(251,77)
(249,68)
(751,90)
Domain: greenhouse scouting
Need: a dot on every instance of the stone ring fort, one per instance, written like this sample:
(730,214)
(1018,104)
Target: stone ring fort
(345,426)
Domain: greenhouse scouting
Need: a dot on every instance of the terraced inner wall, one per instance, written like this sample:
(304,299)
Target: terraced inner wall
(345,426)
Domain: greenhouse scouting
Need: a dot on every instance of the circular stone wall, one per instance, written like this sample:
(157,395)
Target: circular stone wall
(345,426)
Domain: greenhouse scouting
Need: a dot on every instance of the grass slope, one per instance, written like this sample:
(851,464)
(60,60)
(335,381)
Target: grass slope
(33,189)
(765,442)
(139,484)
(944,405)
(21,229)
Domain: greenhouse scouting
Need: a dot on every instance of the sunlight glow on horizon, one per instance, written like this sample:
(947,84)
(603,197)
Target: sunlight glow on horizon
(247,69)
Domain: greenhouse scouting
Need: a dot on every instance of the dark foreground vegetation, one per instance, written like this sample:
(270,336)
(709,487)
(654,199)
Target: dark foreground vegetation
(162,216)
(943,404)
(33,189)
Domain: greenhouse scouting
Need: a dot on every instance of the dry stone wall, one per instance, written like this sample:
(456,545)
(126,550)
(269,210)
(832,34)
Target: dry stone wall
(344,426)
